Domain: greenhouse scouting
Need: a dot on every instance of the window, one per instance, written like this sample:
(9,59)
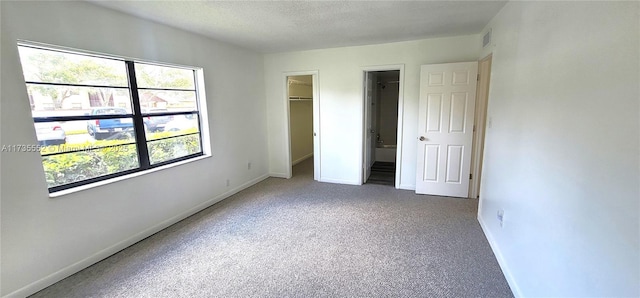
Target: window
(101,117)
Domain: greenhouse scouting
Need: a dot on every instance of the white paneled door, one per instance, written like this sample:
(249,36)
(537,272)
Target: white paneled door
(445,128)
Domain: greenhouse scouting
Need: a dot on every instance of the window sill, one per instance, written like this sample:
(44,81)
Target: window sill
(120,178)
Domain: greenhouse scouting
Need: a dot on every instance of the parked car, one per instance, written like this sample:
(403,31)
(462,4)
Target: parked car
(155,123)
(50,133)
(108,128)
(181,122)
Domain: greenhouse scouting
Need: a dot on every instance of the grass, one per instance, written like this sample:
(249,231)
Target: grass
(75,132)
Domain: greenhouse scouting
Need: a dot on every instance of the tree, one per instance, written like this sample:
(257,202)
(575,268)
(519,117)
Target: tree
(164,77)
(49,66)
(56,67)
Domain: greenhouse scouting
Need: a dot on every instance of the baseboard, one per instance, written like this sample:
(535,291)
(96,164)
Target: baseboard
(407,187)
(340,181)
(38,285)
(279,175)
(501,261)
(301,159)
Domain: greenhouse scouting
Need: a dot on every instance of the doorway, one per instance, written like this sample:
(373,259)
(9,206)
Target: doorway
(302,124)
(382,93)
(482,99)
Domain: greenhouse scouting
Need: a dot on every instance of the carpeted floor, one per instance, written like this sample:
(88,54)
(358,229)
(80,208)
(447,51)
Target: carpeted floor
(300,238)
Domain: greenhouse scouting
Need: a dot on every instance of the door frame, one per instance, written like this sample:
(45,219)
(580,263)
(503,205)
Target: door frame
(399,139)
(369,148)
(480,124)
(316,121)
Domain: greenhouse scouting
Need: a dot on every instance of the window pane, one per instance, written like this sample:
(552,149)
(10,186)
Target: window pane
(163,77)
(65,136)
(73,167)
(175,125)
(78,135)
(111,129)
(57,67)
(174,101)
(155,124)
(49,101)
(168,149)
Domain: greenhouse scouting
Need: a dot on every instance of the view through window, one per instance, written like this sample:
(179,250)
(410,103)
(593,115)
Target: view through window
(100,117)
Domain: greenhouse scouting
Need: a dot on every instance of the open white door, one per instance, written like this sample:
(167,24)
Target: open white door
(316,126)
(445,128)
(368,124)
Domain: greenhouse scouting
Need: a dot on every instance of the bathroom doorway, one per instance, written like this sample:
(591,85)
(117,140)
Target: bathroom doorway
(382,98)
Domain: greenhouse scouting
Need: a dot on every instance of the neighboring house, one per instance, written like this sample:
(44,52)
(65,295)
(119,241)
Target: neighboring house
(82,101)
(150,100)
(561,154)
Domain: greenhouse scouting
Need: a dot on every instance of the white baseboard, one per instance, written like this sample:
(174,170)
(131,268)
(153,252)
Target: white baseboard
(501,261)
(38,285)
(279,175)
(339,181)
(407,187)
(301,159)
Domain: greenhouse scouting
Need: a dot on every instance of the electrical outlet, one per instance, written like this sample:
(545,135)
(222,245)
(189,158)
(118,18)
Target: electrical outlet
(249,166)
(228,183)
(501,217)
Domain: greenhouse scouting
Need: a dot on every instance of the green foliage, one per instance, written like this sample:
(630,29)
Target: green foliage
(72,167)
(164,77)
(49,66)
(167,149)
(55,67)
(67,168)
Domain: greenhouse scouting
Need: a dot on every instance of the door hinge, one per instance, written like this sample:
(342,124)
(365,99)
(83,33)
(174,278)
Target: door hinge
(478,77)
(470,176)
(474,128)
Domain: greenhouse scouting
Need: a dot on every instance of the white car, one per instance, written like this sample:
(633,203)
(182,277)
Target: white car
(50,133)
(181,122)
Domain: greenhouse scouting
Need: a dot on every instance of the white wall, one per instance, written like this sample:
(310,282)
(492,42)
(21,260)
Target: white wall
(562,153)
(341,102)
(45,239)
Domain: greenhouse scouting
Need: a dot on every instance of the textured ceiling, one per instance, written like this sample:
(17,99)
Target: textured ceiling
(278,26)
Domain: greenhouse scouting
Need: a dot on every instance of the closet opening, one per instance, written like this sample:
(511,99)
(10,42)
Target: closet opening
(300,96)
(382,93)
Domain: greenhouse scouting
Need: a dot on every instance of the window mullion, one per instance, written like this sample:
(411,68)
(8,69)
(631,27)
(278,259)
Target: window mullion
(138,121)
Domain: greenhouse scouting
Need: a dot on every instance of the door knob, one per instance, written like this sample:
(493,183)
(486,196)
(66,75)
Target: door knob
(422,138)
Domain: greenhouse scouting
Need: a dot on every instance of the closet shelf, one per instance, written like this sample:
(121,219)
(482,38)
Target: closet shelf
(296,98)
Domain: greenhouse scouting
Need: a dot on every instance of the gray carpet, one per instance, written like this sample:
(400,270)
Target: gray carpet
(300,238)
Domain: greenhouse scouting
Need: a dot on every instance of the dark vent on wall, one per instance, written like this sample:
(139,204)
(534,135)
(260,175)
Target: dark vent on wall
(486,40)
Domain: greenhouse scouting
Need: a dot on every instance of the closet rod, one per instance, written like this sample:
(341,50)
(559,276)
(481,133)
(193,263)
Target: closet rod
(300,98)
